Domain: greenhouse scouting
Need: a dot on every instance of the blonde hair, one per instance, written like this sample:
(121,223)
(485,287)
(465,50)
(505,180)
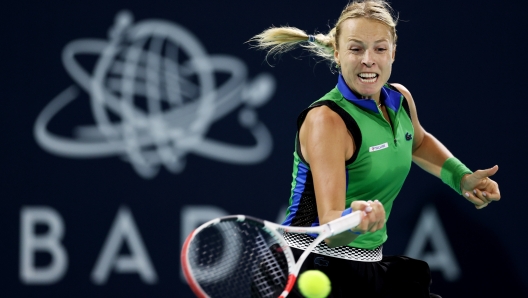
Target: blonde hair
(277,40)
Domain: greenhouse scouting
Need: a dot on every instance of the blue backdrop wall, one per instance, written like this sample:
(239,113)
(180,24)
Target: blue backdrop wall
(125,124)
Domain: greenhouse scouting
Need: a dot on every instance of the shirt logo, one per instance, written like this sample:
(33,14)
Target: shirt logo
(320,261)
(408,136)
(379,147)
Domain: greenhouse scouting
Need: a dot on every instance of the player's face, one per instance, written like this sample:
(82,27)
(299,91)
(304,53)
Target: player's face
(366,52)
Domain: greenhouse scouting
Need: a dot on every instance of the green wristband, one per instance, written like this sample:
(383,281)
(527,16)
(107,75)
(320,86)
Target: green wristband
(452,172)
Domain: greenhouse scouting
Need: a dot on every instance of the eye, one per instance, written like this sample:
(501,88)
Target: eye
(382,50)
(355,50)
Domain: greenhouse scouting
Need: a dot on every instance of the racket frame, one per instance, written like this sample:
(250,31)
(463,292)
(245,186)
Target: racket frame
(329,229)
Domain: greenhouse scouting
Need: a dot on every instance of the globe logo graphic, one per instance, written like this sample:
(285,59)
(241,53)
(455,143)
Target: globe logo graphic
(154,93)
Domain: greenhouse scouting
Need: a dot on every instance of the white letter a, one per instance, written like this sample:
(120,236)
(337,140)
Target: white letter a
(124,230)
(429,227)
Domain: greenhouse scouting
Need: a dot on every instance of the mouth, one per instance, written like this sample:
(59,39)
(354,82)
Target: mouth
(368,77)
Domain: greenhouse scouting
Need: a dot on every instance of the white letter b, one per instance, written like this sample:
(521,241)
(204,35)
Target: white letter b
(30,243)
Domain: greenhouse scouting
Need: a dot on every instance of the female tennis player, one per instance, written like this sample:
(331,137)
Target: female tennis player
(354,149)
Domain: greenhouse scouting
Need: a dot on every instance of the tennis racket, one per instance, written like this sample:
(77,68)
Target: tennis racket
(242,256)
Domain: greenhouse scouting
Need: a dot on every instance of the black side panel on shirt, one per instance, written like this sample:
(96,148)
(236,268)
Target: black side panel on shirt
(307,210)
(350,123)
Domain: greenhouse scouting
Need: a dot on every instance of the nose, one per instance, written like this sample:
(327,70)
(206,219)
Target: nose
(367,61)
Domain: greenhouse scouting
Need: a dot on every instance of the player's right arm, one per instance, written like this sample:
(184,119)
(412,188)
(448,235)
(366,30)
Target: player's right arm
(326,144)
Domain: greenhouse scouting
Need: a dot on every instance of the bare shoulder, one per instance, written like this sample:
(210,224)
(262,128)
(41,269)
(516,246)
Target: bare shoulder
(419,132)
(324,138)
(403,90)
(322,124)
(323,116)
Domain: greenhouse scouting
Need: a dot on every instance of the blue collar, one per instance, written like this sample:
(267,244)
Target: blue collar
(390,98)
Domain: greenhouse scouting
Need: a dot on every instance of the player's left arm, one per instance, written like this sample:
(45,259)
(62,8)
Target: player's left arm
(430,154)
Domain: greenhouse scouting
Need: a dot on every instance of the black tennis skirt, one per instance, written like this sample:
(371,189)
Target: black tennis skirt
(393,276)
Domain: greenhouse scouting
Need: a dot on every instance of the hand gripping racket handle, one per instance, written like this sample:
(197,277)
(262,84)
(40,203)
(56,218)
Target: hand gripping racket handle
(344,223)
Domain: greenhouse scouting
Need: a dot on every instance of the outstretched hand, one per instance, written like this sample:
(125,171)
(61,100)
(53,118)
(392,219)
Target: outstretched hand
(479,189)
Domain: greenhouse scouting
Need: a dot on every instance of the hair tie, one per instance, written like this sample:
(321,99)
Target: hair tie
(311,38)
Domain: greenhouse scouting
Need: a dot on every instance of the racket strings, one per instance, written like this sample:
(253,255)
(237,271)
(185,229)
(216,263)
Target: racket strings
(238,259)
(268,275)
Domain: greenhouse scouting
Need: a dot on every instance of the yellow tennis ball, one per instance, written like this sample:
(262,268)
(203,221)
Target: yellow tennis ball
(314,284)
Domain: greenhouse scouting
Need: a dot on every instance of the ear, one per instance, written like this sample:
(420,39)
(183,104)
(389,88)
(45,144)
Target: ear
(336,56)
(394,53)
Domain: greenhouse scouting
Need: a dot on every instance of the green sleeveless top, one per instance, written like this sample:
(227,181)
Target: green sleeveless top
(378,167)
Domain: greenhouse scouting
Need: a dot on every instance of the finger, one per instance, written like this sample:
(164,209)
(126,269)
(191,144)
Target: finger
(492,196)
(481,206)
(378,216)
(470,197)
(371,221)
(374,228)
(369,207)
(480,174)
(381,223)
(363,224)
(378,205)
(483,196)
(374,219)
(379,212)
(359,205)
(489,189)
(493,191)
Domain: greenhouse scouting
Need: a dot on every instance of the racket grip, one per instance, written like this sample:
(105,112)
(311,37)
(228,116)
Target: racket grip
(344,223)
